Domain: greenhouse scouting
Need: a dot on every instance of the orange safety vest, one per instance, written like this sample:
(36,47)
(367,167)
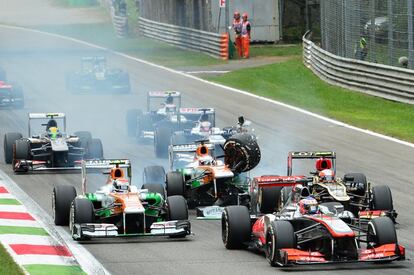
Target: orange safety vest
(246,28)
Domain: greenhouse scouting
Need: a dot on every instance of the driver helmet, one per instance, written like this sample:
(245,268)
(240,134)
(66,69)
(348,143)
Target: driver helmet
(308,206)
(169,100)
(205,160)
(326,175)
(53,132)
(121,185)
(205,126)
(204,117)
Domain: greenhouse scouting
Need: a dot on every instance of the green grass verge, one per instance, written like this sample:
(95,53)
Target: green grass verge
(276,50)
(141,47)
(291,82)
(7,265)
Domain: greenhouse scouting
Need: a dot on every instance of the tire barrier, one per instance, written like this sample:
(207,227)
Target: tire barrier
(376,79)
(213,44)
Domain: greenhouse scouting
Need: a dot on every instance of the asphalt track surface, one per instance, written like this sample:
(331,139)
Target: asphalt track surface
(40,62)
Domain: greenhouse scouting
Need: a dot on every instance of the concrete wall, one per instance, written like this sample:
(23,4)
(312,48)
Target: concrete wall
(263,15)
(204,14)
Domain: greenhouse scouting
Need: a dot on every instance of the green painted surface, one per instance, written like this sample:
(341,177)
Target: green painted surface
(40,269)
(7,265)
(9,202)
(23,230)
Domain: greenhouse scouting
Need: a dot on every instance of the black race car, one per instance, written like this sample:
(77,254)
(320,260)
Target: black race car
(96,76)
(48,147)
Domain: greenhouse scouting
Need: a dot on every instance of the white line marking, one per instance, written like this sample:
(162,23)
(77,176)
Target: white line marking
(26,223)
(204,72)
(13,208)
(43,259)
(6,196)
(86,260)
(368,132)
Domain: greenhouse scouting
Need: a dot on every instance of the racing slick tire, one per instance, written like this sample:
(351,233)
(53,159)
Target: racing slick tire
(280,234)
(162,139)
(18,96)
(9,140)
(81,211)
(381,198)
(175,183)
(22,149)
(381,231)
(357,180)
(84,138)
(269,198)
(62,198)
(241,152)
(155,188)
(154,174)
(177,208)
(132,122)
(95,149)
(235,226)
(178,138)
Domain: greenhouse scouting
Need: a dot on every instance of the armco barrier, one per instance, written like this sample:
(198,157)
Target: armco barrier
(216,45)
(120,23)
(371,78)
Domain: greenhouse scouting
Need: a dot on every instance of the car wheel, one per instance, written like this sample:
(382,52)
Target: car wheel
(162,139)
(357,180)
(280,234)
(22,149)
(381,231)
(95,149)
(175,184)
(235,226)
(155,188)
(154,174)
(81,211)
(84,138)
(177,208)
(268,199)
(62,198)
(382,198)
(241,152)
(9,140)
(132,121)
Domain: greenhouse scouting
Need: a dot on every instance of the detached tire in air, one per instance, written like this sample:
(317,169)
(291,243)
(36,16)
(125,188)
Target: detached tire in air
(241,152)
(62,198)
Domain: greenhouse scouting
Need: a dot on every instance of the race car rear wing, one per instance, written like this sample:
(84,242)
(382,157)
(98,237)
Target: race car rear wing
(97,165)
(310,155)
(189,147)
(197,111)
(162,94)
(46,116)
(271,181)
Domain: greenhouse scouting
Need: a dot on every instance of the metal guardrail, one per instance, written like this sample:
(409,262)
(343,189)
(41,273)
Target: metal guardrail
(212,44)
(376,79)
(120,24)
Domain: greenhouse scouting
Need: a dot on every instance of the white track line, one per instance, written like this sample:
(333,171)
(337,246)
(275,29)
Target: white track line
(368,132)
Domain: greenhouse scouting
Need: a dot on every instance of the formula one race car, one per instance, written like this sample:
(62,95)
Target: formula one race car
(206,180)
(96,76)
(306,232)
(11,95)
(353,190)
(119,209)
(52,148)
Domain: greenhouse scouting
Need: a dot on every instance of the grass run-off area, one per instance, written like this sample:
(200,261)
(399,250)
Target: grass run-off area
(291,82)
(7,265)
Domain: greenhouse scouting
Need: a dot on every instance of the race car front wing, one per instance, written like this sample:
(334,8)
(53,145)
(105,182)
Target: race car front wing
(104,230)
